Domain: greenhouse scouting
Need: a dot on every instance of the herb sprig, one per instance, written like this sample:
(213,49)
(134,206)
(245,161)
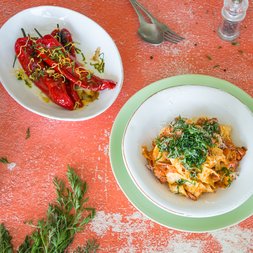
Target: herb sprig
(64,219)
(5,240)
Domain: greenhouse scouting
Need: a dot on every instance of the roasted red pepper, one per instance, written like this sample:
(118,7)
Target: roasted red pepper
(54,54)
(25,52)
(55,89)
(70,86)
(65,38)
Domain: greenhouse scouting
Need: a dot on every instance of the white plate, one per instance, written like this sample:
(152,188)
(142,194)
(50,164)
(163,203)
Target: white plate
(189,101)
(85,31)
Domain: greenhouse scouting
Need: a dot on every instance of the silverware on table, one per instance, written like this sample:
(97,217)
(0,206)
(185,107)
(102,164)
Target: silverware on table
(168,34)
(149,32)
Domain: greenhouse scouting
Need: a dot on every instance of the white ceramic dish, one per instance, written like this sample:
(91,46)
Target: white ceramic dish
(189,101)
(85,31)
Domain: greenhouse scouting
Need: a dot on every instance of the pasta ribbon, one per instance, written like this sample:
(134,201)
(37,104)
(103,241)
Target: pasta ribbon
(194,156)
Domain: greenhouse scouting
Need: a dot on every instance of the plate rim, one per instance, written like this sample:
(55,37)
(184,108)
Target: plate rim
(67,118)
(127,166)
(156,214)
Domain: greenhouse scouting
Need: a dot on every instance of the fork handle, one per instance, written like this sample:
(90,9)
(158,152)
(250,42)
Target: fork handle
(140,16)
(153,19)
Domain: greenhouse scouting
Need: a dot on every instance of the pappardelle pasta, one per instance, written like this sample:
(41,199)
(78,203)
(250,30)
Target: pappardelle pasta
(194,156)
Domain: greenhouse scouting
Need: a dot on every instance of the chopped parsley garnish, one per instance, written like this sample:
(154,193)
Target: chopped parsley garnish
(227,174)
(79,51)
(183,181)
(193,174)
(189,142)
(20,74)
(211,127)
(98,59)
(226,171)
(89,75)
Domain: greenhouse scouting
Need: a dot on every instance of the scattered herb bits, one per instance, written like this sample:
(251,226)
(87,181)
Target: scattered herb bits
(4,160)
(28,133)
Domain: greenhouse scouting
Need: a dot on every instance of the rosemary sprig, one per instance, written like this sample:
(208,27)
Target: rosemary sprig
(64,218)
(5,240)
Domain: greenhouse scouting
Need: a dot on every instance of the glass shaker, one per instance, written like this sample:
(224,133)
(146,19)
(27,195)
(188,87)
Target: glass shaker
(233,12)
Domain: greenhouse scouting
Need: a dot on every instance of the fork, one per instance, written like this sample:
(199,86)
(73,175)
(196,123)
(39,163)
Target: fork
(168,34)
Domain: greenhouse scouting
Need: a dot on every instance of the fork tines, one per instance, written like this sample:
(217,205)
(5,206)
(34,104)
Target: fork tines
(172,37)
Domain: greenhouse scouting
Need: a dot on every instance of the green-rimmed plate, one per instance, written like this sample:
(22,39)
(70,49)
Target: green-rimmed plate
(143,204)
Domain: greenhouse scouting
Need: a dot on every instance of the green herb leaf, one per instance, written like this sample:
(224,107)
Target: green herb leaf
(99,64)
(26,246)
(182,181)
(79,51)
(5,240)
(193,174)
(212,127)
(226,171)
(189,142)
(4,160)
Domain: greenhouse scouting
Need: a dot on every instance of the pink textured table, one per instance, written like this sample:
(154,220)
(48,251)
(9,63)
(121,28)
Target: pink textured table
(26,189)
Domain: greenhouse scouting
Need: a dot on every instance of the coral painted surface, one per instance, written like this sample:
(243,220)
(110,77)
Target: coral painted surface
(26,184)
